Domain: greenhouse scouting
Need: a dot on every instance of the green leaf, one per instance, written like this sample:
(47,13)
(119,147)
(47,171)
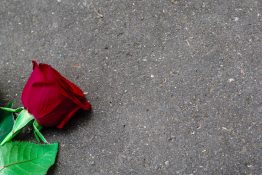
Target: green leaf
(24,158)
(23,119)
(6,122)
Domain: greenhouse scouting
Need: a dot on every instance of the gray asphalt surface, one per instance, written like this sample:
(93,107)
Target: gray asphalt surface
(176,85)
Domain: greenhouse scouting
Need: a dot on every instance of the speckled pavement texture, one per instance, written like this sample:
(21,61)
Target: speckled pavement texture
(176,85)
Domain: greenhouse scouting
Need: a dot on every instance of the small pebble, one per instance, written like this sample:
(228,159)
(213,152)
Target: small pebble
(230,80)
(166,163)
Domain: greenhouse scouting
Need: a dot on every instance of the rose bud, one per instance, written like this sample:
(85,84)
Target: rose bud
(51,98)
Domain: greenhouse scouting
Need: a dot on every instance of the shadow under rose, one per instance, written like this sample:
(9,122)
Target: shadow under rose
(80,118)
(3,100)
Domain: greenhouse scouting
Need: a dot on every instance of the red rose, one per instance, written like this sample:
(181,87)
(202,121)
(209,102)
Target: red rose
(51,98)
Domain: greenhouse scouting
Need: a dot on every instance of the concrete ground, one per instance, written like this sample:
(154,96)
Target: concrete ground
(176,85)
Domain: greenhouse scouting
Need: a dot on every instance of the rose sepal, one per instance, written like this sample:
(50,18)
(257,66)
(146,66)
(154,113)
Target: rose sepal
(17,110)
(23,119)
